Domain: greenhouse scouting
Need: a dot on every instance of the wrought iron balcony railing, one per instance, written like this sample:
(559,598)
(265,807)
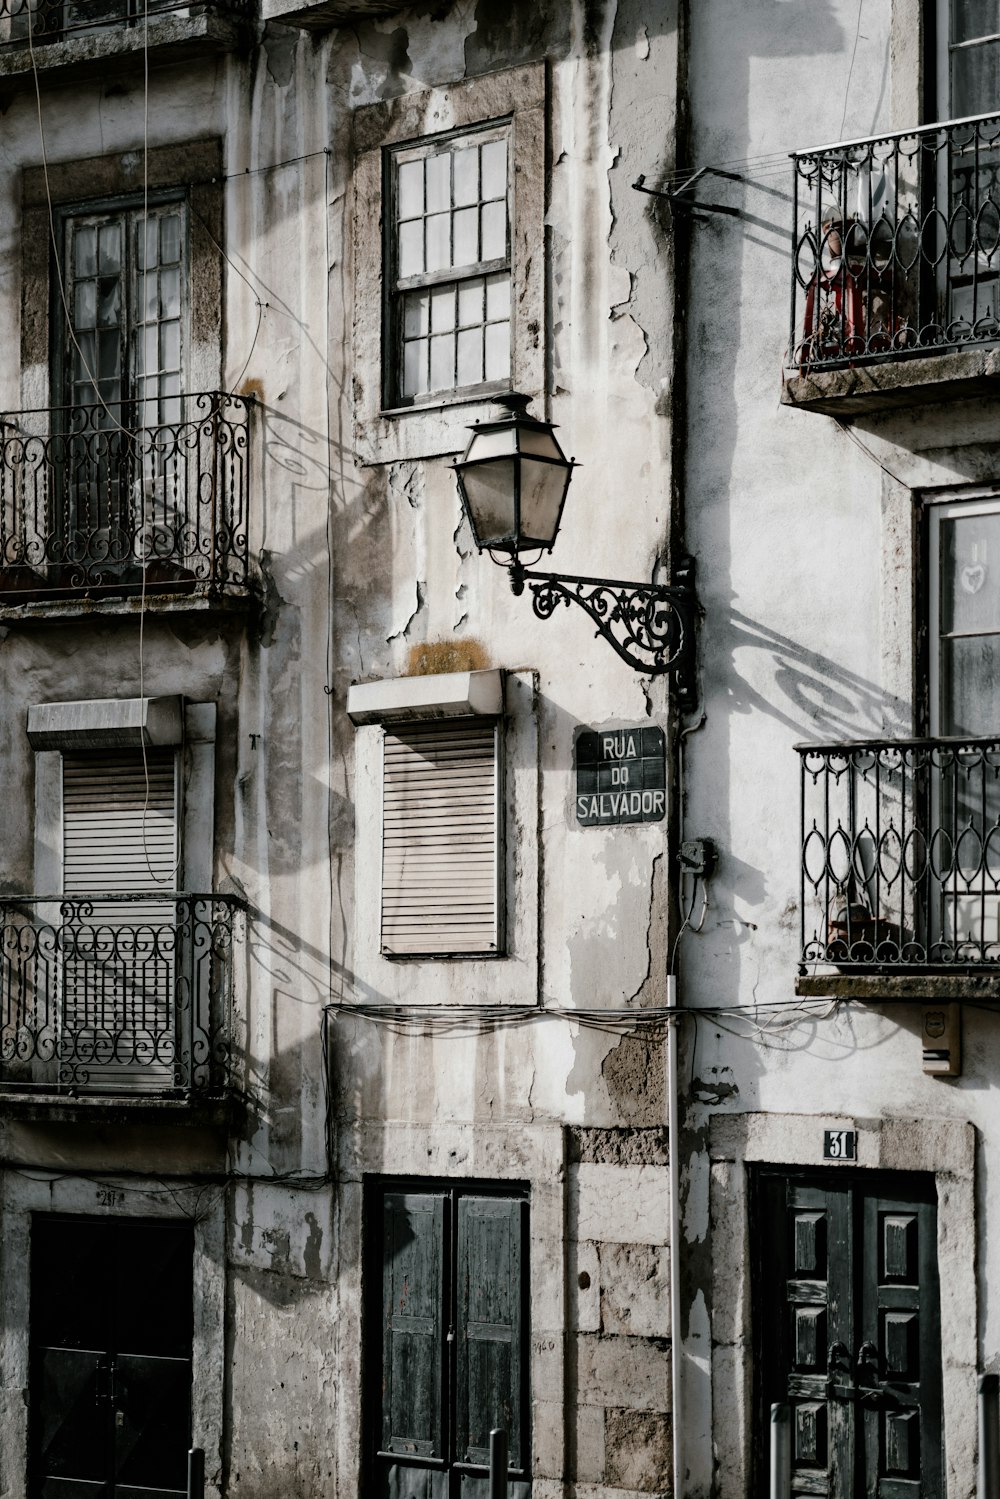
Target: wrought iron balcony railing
(900,858)
(39,22)
(118,994)
(896,245)
(92,500)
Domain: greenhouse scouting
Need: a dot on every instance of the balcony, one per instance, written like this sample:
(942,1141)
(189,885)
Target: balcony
(119,997)
(93,506)
(900,868)
(91,36)
(896,270)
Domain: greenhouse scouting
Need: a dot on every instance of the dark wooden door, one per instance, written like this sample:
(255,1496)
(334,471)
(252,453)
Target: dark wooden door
(111,1336)
(449,1362)
(847,1332)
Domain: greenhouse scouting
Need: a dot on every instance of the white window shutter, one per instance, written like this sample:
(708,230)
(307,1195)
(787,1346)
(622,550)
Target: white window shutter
(441,839)
(120,837)
(119,822)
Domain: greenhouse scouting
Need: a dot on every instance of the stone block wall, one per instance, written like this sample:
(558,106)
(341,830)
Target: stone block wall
(618,1352)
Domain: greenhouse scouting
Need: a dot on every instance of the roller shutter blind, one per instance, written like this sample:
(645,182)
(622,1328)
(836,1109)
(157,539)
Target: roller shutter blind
(120,836)
(117,836)
(441,839)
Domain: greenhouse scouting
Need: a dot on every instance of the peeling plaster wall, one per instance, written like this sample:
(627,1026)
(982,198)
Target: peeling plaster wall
(366,572)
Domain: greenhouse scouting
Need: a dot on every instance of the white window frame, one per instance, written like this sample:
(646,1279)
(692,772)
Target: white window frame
(400,288)
(516,100)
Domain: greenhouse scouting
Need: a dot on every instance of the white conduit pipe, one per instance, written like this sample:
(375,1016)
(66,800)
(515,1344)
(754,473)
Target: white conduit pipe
(674,1228)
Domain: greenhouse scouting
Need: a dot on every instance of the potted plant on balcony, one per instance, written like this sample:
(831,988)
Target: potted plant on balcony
(855,936)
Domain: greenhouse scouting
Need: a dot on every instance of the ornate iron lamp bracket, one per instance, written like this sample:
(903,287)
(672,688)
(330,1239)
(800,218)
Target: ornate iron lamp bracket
(650,625)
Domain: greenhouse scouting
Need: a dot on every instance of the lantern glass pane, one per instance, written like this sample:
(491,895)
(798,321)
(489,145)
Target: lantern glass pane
(543,489)
(540,444)
(496,444)
(489,497)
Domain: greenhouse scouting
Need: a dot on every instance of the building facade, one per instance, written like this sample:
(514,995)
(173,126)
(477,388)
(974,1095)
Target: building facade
(427,1006)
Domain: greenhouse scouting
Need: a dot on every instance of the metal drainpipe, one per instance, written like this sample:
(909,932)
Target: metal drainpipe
(674,1228)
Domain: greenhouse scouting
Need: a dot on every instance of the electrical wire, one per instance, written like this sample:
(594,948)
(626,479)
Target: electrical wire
(850,71)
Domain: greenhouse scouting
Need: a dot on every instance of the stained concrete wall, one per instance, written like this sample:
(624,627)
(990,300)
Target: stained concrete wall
(366,571)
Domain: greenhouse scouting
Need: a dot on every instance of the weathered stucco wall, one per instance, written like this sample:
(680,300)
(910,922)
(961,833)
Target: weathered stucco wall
(368,573)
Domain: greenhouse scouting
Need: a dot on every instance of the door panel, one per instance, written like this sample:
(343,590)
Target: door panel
(112,1419)
(847,1331)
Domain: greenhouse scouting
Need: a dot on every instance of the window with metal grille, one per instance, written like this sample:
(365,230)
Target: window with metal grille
(441,839)
(449,252)
(447,1317)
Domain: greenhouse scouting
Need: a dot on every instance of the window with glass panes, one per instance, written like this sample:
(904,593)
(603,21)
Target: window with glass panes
(450,260)
(125,273)
(968,34)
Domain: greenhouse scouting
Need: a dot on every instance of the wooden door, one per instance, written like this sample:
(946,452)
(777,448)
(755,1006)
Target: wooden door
(847,1332)
(111,1345)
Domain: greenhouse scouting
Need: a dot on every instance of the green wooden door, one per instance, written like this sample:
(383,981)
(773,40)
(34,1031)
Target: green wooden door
(847,1332)
(448,1362)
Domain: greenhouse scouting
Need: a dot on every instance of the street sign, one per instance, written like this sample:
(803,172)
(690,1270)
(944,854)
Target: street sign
(621,776)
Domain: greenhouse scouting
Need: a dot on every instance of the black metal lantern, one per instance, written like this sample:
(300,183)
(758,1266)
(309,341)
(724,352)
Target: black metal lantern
(513,481)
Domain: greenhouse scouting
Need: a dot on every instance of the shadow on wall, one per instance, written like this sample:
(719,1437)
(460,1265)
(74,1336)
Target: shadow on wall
(816,698)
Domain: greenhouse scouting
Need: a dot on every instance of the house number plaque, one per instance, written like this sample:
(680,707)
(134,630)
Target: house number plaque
(840,1144)
(621,776)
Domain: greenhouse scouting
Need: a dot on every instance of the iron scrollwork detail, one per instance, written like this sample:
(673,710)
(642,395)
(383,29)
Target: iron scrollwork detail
(650,625)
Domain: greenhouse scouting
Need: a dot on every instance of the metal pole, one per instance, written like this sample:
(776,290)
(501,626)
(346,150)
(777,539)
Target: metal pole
(498,1463)
(196,1473)
(781,1452)
(989,1436)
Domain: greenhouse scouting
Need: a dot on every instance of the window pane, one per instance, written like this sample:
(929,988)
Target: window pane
(411,248)
(498,297)
(970,680)
(972,18)
(109,310)
(438,182)
(148,243)
(416,314)
(170,238)
(470,356)
(150,350)
(467,175)
(975,79)
(497,351)
(466,237)
(170,292)
(410,184)
(107,353)
(415,367)
(85,251)
(470,303)
(170,346)
(438,242)
(442,309)
(970,573)
(85,309)
(494,231)
(443,362)
(149,300)
(495,170)
(110,249)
